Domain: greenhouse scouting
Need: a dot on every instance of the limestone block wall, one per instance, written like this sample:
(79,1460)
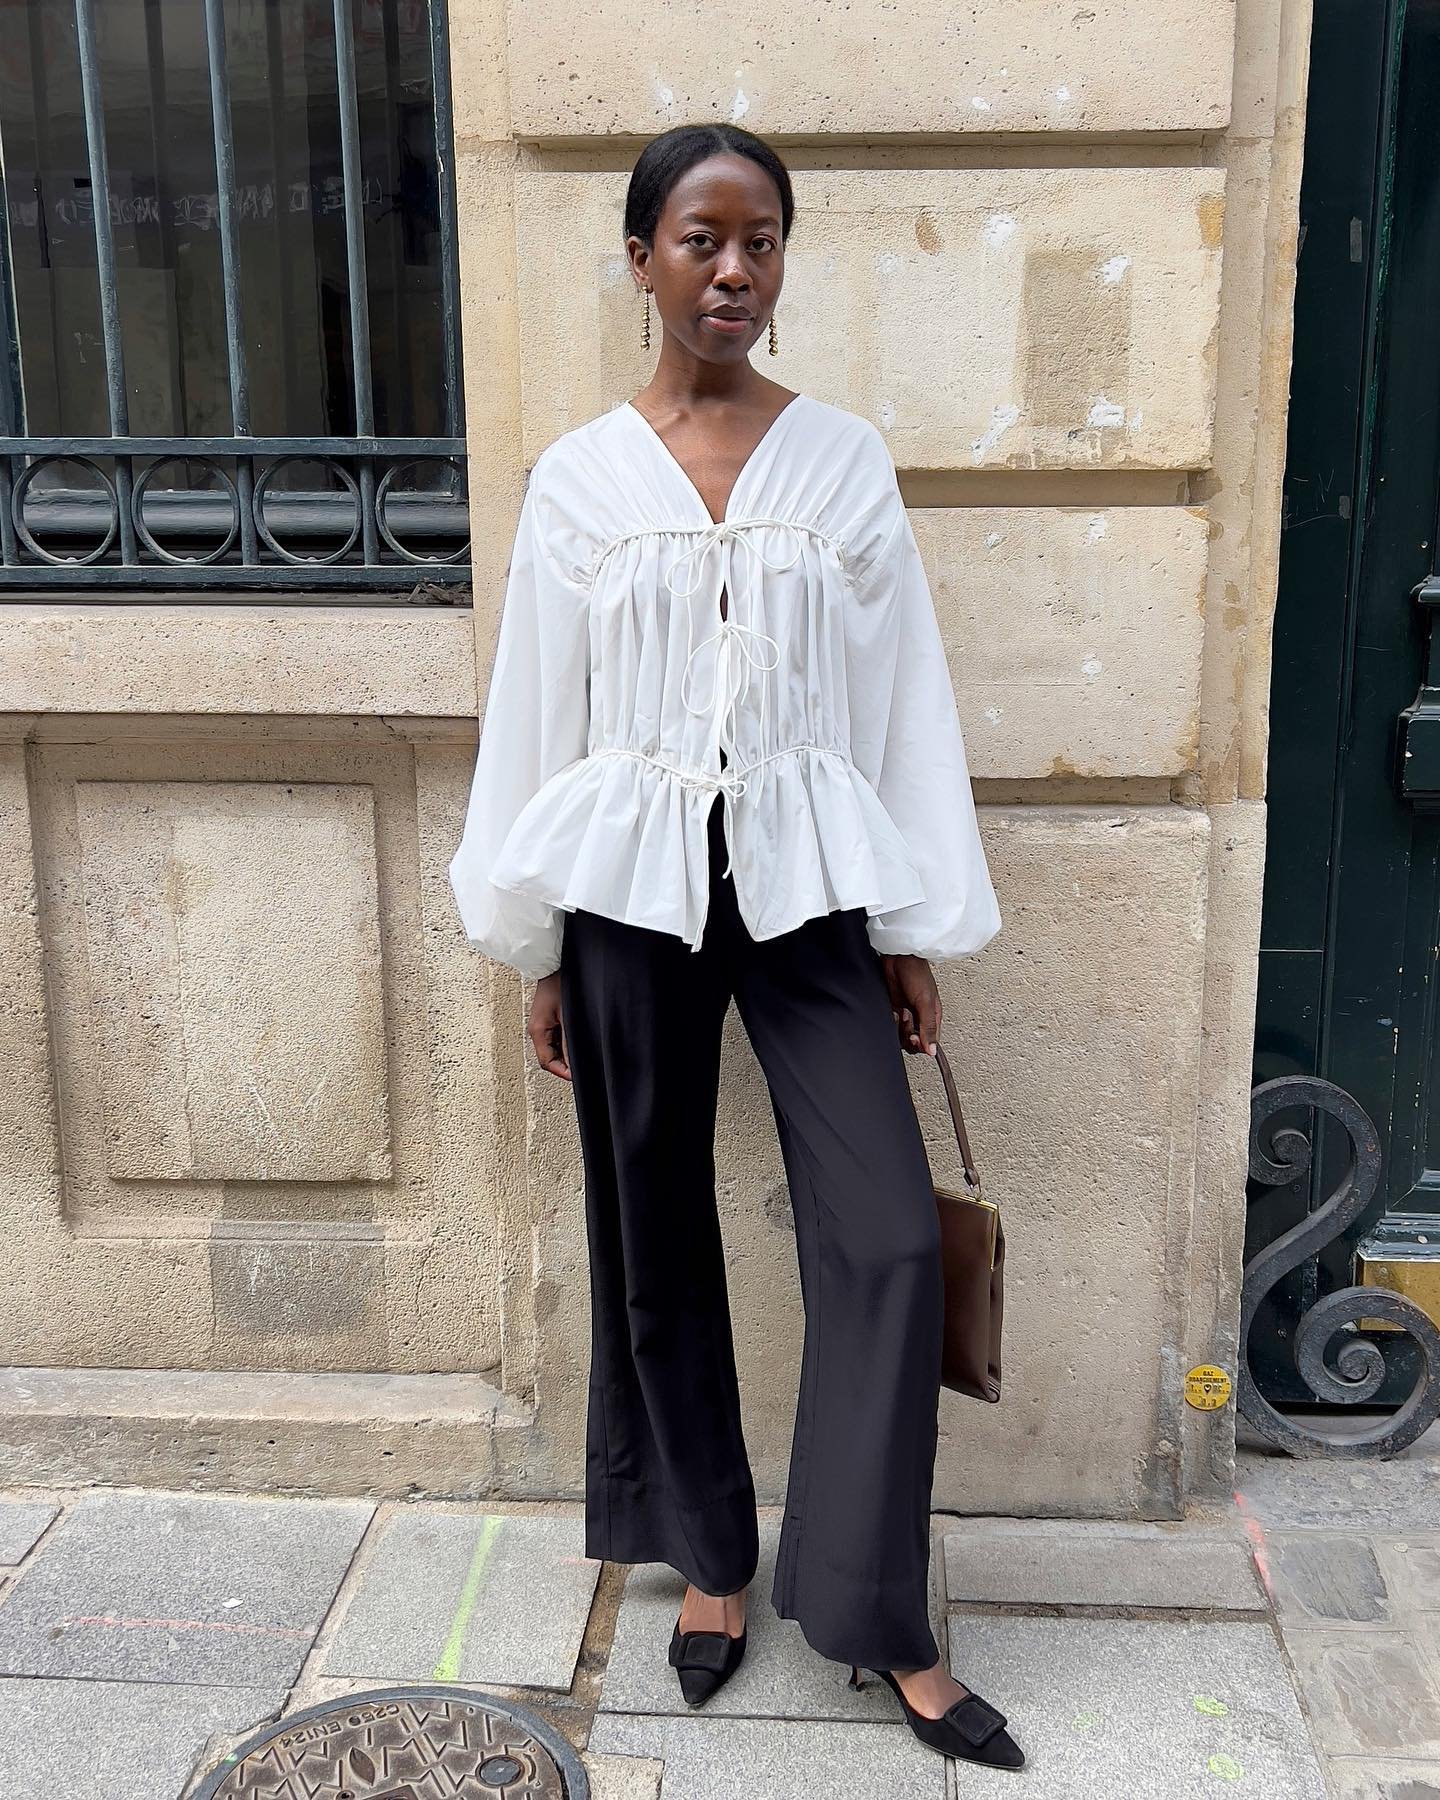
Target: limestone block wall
(1048,251)
(284,1200)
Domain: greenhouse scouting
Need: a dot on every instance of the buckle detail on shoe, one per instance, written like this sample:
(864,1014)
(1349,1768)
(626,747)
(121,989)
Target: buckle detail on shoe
(704,1650)
(975,1719)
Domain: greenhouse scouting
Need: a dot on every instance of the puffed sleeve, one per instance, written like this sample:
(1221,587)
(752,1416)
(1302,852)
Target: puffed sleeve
(905,732)
(536,720)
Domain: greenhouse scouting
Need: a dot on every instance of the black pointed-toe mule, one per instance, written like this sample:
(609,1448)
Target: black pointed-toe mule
(972,1728)
(704,1661)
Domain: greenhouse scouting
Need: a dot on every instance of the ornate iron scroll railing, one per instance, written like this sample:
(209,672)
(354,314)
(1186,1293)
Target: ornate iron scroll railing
(1280,1156)
(385,513)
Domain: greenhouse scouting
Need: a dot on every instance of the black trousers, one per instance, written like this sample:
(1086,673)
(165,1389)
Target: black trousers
(667,1475)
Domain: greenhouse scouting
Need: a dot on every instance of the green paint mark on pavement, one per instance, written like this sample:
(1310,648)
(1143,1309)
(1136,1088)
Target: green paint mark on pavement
(1084,1720)
(1212,1708)
(1225,1767)
(448,1667)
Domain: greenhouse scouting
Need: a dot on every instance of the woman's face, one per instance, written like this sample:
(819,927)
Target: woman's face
(718,250)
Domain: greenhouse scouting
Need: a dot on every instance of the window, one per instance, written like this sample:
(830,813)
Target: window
(228,272)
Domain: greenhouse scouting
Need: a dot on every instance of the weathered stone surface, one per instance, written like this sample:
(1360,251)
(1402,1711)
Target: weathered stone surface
(1365,1778)
(1394,1497)
(1369,1693)
(1320,1579)
(176,1588)
(1214,1266)
(1151,1709)
(268,1162)
(623,1777)
(1116,66)
(717,1758)
(1074,637)
(1093,988)
(274,1287)
(1088,1565)
(1054,318)
(247,660)
(1412,1571)
(111,1740)
(21,1524)
(491,1598)
(322,1436)
(232,962)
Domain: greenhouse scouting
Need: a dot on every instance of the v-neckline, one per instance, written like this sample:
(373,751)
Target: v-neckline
(744,469)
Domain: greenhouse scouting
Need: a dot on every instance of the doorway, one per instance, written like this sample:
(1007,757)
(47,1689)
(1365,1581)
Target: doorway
(1351,921)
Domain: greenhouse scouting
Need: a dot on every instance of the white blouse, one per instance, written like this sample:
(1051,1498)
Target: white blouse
(616,682)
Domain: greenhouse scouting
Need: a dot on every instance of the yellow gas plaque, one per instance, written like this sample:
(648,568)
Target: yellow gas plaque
(1207,1387)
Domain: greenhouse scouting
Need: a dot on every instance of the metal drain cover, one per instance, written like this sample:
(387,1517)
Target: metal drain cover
(403,1744)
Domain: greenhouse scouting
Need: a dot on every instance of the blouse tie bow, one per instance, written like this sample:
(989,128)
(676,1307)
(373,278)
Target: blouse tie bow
(741,647)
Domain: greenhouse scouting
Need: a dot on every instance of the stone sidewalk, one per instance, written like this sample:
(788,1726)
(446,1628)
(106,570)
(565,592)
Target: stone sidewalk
(1287,1647)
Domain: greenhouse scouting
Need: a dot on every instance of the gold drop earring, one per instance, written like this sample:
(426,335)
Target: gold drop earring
(773,348)
(645,328)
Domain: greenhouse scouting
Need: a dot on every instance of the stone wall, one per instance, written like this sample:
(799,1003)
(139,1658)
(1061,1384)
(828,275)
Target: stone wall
(270,1114)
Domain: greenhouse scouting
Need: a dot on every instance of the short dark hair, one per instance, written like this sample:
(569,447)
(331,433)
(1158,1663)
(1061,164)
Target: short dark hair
(666,158)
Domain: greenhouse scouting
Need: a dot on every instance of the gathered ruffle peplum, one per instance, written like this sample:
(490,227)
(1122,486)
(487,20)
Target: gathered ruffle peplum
(601,833)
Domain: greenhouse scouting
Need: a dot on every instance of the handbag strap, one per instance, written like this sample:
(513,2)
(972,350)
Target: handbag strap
(952,1095)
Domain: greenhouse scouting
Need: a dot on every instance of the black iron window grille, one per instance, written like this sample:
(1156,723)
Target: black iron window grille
(228,280)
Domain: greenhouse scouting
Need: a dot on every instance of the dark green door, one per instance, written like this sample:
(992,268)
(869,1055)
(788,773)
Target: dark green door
(1349,959)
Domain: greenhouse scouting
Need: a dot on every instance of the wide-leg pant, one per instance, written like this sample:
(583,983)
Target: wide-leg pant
(667,1475)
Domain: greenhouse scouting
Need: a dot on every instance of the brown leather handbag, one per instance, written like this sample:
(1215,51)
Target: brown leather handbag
(972,1252)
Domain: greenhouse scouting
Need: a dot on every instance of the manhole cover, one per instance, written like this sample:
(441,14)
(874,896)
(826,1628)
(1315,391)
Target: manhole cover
(403,1744)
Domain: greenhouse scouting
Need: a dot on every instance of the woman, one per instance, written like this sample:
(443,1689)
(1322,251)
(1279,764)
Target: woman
(715,591)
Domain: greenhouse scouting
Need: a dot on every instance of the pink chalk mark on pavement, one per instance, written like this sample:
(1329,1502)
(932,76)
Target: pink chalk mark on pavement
(191,1625)
(1259,1549)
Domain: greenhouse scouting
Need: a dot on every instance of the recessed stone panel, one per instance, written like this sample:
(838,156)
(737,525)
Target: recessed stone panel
(328,841)
(818,70)
(1001,318)
(233,959)
(1074,637)
(308,1298)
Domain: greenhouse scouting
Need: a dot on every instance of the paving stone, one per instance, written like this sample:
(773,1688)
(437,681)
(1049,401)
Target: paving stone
(1318,1579)
(1146,1708)
(780,1678)
(476,1597)
(21,1523)
(623,1777)
(1369,1693)
(781,1759)
(105,1740)
(182,1588)
(1363,1778)
(1200,1522)
(1412,1572)
(1425,1635)
(1078,1565)
(1397,1496)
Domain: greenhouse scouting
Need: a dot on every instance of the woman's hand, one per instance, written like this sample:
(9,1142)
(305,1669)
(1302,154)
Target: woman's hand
(914,1002)
(546,1032)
